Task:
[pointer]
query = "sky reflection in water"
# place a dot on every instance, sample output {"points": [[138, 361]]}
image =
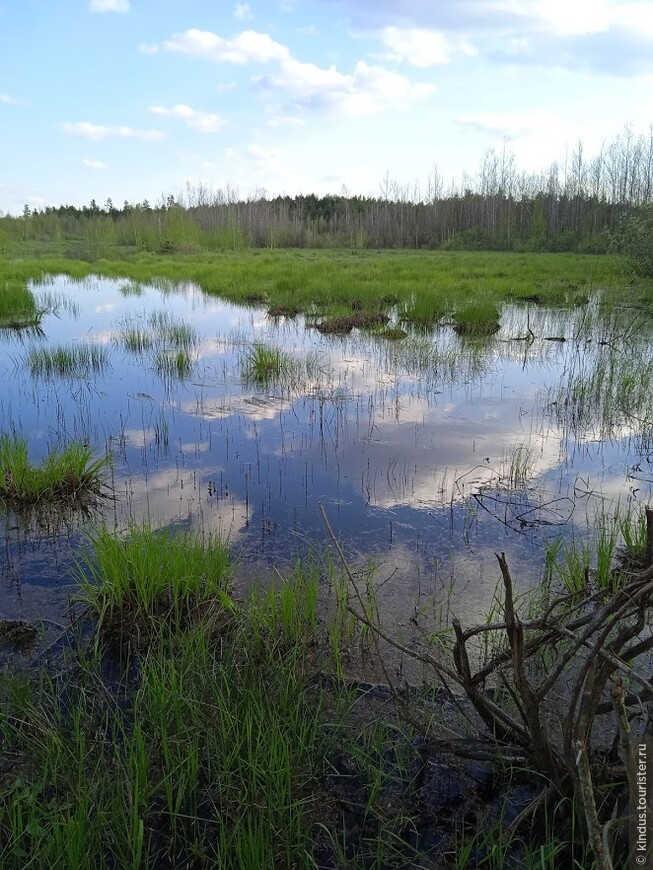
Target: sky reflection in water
{"points": [[410, 446]]}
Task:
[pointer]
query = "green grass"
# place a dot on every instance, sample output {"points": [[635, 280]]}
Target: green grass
{"points": [[218, 742], [134, 338], [174, 364], [264, 366], [74, 361], [426, 282], [208, 759], [148, 573], [18, 309], [477, 319], [171, 334], [69, 475]]}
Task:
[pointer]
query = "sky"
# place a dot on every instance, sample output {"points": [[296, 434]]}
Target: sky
{"points": [[139, 99]]}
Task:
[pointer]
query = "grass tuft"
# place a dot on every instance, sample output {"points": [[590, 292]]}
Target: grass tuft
{"points": [[69, 475], [77, 361], [477, 319], [150, 574]]}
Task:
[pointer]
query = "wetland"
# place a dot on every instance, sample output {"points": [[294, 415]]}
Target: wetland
{"points": [[435, 408]]}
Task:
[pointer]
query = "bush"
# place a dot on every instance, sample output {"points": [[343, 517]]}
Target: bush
{"points": [[634, 239]]}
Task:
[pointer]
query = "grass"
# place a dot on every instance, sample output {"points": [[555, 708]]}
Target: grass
{"points": [[605, 392], [134, 338], [172, 334], [311, 281], [208, 758], [18, 309], [264, 366], [74, 361], [174, 364], [223, 743], [477, 319], [69, 475], [148, 573]]}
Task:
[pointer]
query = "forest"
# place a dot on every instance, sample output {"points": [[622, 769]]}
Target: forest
{"points": [[579, 206]]}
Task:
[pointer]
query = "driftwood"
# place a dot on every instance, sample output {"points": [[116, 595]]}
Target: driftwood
{"points": [[593, 643]]}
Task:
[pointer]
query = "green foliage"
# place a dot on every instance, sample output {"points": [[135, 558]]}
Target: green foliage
{"points": [[149, 570], [634, 238], [69, 475], [17, 305]]}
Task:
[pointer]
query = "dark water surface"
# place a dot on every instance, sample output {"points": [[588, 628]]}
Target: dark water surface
{"points": [[428, 454]]}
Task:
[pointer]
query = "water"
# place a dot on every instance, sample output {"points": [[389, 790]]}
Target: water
{"points": [[429, 454]]}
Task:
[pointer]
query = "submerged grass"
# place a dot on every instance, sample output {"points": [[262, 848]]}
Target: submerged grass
{"points": [[264, 365], [172, 334], [69, 475], [74, 361], [174, 364]]}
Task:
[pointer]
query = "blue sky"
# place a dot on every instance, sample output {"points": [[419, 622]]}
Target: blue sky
{"points": [[135, 99]]}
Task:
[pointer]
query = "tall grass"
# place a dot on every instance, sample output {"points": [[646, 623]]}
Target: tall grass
{"points": [[148, 572], [18, 307], [210, 759], [263, 365], [477, 319], [171, 333], [68, 475], [74, 361]]}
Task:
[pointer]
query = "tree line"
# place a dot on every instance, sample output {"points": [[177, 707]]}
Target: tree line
{"points": [[579, 206]]}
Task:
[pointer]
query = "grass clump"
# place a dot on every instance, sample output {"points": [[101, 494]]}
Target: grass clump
{"points": [[18, 309], [69, 475], [76, 361], [134, 338], [264, 364], [477, 319], [149, 575], [174, 364], [172, 334]]}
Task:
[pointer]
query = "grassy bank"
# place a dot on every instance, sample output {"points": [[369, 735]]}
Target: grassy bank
{"points": [[186, 727], [426, 286]]}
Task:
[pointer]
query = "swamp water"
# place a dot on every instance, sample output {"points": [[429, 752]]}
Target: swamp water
{"points": [[429, 454]]}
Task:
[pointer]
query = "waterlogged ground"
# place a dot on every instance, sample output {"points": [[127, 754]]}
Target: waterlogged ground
{"points": [[428, 453]]}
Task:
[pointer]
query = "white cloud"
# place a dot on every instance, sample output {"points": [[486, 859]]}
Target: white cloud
{"points": [[421, 47], [368, 90], [8, 100], [248, 47], [204, 122], [243, 12], [97, 132], [533, 136], [286, 121], [109, 5], [508, 125], [148, 48], [93, 164], [268, 161]]}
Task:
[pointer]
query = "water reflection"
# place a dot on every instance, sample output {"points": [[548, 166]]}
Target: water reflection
{"points": [[428, 453]]}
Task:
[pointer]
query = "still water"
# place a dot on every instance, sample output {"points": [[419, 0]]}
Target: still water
{"points": [[428, 454]]}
